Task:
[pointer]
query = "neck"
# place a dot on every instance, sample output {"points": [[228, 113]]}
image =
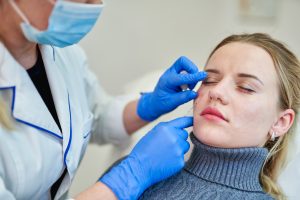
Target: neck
{"points": [[238, 168], [11, 36]]}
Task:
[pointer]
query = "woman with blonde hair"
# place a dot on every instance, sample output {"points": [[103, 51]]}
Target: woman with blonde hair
{"points": [[243, 122]]}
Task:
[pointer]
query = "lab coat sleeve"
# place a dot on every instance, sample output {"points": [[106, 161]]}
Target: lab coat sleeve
{"points": [[108, 126], [4, 193]]}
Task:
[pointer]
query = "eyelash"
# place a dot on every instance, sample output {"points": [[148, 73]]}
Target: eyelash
{"points": [[246, 90], [208, 82]]}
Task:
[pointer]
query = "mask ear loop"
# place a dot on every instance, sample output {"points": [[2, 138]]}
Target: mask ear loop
{"points": [[18, 10]]}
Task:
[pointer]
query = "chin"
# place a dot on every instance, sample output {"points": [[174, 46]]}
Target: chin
{"points": [[211, 137]]}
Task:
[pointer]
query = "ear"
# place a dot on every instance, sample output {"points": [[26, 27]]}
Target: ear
{"points": [[284, 122]]}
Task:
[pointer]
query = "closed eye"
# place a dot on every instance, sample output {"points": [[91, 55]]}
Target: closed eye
{"points": [[247, 90], [209, 80]]}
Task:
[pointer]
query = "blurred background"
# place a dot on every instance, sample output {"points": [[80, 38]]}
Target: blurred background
{"points": [[134, 41]]}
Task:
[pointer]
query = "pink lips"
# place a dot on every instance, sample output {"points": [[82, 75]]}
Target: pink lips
{"points": [[213, 114]]}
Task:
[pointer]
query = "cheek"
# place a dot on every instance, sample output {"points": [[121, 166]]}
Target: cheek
{"points": [[202, 96], [200, 91], [253, 113], [246, 116], [200, 101], [42, 11], [252, 122]]}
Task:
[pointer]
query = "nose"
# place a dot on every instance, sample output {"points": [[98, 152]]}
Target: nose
{"points": [[217, 93]]}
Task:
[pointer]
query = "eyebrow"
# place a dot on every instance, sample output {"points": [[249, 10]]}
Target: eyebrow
{"points": [[243, 75], [213, 71], [250, 76]]}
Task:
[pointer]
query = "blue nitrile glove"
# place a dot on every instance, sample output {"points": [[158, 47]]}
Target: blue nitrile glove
{"points": [[157, 156], [168, 94]]}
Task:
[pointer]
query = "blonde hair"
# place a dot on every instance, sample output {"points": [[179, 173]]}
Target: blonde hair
{"points": [[5, 119], [288, 69]]}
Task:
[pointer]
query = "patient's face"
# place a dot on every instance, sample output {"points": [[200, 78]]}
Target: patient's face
{"points": [[242, 86]]}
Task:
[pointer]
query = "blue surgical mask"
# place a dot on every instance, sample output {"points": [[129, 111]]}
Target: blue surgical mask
{"points": [[68, 23]]}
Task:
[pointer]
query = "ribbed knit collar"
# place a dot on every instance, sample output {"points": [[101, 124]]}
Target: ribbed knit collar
{"points": [[238, 168]]}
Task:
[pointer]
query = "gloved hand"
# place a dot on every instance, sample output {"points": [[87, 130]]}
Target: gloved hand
{"points": [[168, 94], [157, 156]]}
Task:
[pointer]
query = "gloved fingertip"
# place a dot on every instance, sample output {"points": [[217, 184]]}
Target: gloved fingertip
{"points": [[193, 94], [183, 58], [202, 75], [187, 147], [184, 63], [189, 120], [181, 122]]}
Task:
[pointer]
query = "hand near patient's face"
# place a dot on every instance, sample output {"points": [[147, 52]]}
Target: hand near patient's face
{"points": [[242, 84]]}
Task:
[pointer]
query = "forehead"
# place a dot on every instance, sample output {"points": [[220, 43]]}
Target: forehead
{"points": [[240, 57]]}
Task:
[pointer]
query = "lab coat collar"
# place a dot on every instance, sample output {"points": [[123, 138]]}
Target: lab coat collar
{"points": [[27, 105], [60, 94], [58, 88]]}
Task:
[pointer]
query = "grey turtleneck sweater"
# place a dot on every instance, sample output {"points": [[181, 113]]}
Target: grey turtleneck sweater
{"points": [[215, 174]]}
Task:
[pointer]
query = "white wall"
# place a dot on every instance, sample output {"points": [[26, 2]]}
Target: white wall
{"points": [[136, 37]]}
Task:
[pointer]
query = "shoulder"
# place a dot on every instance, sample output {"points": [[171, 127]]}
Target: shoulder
{"points": [[262, 196], [236, 194], [70, 60], [71, 57]]}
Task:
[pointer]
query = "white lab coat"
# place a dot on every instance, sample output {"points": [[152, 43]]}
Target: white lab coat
{"points": [[35, 153]]}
